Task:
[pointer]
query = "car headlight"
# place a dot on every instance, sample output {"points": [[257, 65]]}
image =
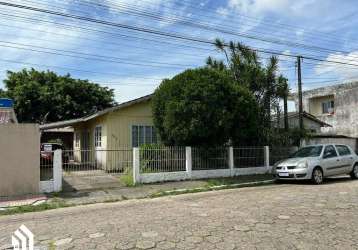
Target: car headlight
{"points": [[302, 164]]}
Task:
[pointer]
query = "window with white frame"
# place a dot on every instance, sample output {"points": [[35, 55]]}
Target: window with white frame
{"points": [[143, 135], [98, 137], [328, 107], [77, 140]]}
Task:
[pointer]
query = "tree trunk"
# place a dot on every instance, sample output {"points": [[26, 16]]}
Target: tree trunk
{"points": [[285, 112]]}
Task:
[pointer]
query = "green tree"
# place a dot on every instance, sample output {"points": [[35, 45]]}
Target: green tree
{"points": [[2, 93], [204, 107], [243, 65], [44, 96]]}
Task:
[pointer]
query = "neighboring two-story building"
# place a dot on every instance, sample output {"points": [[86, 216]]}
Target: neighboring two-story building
{"points": [[335, 105]]}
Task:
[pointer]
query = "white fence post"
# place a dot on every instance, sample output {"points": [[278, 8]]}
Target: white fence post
{"points": [[231, 160], [57, 170], [188, 161], [267, 157], [136, 177]]}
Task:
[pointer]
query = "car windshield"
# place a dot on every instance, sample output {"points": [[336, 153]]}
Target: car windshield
{"points": [[312, 151]]}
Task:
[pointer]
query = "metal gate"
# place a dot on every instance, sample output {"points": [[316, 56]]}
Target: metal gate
{"points": [[81, 169]]}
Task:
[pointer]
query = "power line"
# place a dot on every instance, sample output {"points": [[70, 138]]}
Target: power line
{"points": [[162, 65], [79, 70], [120, 6], [204, 26], [87, 30], [145, 30]]}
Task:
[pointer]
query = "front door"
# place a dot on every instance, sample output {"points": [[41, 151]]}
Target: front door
{"points": [[331, 161], [85, 156], [99, 158]]}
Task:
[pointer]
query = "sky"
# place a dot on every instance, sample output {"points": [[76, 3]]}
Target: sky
{"points": [[133, 63]]}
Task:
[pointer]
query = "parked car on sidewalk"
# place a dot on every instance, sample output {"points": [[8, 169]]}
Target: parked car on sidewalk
{"points": [[317, 162]]}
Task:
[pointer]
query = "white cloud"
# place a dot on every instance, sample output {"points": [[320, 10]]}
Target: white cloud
{"points": [[36, 34], [152, 4], [337, 70], [258, 6]]}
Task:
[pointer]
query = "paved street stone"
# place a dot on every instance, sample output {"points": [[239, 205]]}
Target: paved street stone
{"points": [[149, 234], [63, 241], [284, 217], [289, 216], [96, 235]]}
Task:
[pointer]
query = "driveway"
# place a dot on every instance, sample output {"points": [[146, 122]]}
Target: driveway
{"points": [[288, 216]]}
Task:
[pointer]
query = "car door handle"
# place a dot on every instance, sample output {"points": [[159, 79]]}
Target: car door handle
{"points": [[337, 159]]}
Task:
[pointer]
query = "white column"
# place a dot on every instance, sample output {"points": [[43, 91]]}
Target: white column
{"points": [[136, 173], [267, 157], [57, 170], [188, 161], [231, 160]]}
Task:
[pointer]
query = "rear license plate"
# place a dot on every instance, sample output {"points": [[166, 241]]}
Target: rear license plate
{"points": [[283, 174]]}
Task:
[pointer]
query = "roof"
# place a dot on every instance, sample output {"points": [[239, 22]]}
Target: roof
{"points": [[308, 116], [67, 123], [323, 91], [60, 130]]}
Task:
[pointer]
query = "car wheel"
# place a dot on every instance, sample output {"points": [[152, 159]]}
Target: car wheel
{"points": [[317, 176], [354, 173]]}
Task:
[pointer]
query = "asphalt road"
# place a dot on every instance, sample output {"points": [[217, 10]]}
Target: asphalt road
{"points": [[288, 216]]}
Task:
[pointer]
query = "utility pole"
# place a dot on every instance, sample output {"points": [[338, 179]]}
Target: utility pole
{"points": [[285, 115], [300, 102]]}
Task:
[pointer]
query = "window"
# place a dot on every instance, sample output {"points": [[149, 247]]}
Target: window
{"points": [[311, 151], [328, 107], [143, 135], [329, 152], [98, 137], [77, 140], [343, 150]]}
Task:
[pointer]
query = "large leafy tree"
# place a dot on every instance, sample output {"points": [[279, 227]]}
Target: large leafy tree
{"points": [[244, 66], [204, 107], [44, 96]]}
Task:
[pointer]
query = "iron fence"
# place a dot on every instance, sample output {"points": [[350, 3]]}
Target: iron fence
{"points": [[210, 158], [154, 159], [249, 157], [88, 162]]}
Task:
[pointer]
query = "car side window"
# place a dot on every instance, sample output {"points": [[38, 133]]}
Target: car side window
{"points": [[343, 150], [329, 152]]}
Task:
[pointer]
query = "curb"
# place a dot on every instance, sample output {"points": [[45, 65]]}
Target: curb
{"points": [[213, 188]]}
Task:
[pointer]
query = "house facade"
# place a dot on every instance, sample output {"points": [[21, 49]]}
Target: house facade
{"points": [[310, 122], [335, 105], [110, 134]]}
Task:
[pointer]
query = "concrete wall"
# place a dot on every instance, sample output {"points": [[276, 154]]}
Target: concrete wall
{"points": [[19, 159], [345, 117]]}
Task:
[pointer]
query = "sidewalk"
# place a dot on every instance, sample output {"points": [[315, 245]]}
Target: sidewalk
{"points": [[104, 195], [151, 190]]}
